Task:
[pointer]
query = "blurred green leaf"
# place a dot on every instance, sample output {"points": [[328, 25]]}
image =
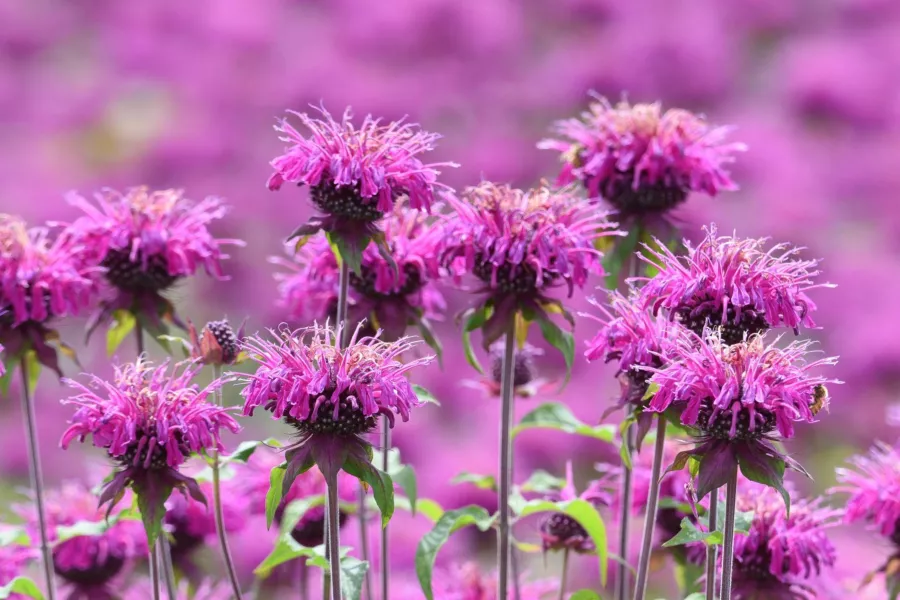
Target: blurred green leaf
{"points": [[555, 415], [543, 482], [381, 483], [246, 449], [561, 340], [585, 595], [296, 509], [483, 482], [623, 251], [472, 320], [21, 585], [123, 324], [274, 495], [424, 395]]}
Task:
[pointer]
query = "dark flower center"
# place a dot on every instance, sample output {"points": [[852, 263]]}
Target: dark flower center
{"points": [[99, 573], [225, 337], [564, 528], [349, 421], [669, 520], [157, 458], [637, 382], [365, 283], [344, 201], [764, 422], [648, 198], [126, 274], [311, 532], [524, 371], [733, 329], [518, 279]]}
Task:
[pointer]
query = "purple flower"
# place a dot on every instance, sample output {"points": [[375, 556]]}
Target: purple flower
{"points": [[216, 344], [873, 485], [520, 245], [782, 554], [468, 582], [356, 174], [737, 397], [734, 284], [88, 563], [149, 420], [41, 277], [147, 241], [526, 382], [560, 531], [393, 294], [14, 561], [643, 161], [331, 394]]}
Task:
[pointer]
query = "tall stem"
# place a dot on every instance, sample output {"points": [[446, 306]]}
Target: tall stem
{"points": [[621, 589], [712, 551], [217, 504], [505, 475], [343, 301], [154, 573], [728, 552], [37, 479], [326, 573], [304, 582], [643, 572], [334, 538], [168, 569], [364, 534], [385, 541], [563, 576]]}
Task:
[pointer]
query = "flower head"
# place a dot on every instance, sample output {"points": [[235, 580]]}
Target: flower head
{"points": [[560, 531], [738, 397], [526, 381], [641, 160], [781, 554], [149, 419], [734, 284], [392, 293], [147, 241], [88, 563], [873, 485], [41, 277], [216, 344], [522, 244]]}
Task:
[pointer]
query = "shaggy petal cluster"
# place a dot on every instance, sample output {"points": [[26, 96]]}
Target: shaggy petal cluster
{"points": [[88, 562], [560, 531], [641, 159], [392, 294], [41, 276], [468, 582], [742, 391], [148, 417], [306, 377], [873, 485], [373, 163], [520, 243], [781, 554], [733, 283]]}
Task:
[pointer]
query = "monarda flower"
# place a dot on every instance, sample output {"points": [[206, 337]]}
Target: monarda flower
{"points": [[41, 278], [738, 398], [89, 563], [330, 393], [147, 241], [520, 246], [149, 419], [641, 160], [526, 381], [216, 344], [733, 284], [560, 531], [355, 174], [873, 488], [392, 292], [632, 338], [782, 555]]}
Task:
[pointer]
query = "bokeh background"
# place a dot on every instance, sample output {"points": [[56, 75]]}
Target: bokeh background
{"points": [[180, 94]]}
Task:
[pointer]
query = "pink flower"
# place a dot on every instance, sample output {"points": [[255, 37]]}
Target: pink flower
{"points": [[560, 531], [526, 381], [14, 561], [734, 284], [468, 582], [873, 485], [641, 160]]}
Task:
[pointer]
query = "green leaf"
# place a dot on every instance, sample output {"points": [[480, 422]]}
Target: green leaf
{"points": [[352, 253], [33, 365], [405, 477], [431, 542], [14, 536], [623, 251], [473, 319], [555, 415], [625, 444], [482, 482], [687, 574], [651, 390], [151, 500], [559, 339], [767, 470], [295, 510], [21, 585], [696, 596], [124, 323], [424, 395], [431, 339], [585, 595], [543, 482], [382, 485], [353, 576], [274, 495], [9, 365], [177, 341], [246, 449], [426, 507], [587, 516], [690, 534], [285, 550]]}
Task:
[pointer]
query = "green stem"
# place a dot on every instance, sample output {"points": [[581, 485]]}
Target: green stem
{"points": [[505, 475], [563, 576]]}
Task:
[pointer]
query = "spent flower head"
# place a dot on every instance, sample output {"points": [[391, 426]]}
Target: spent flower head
{"points": [[642, 160], [147, 240], [734, 284], [216, 344], [42, 277], [150, 420], [559, 531]]}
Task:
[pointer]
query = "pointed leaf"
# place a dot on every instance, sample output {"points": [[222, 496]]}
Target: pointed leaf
{"points": [[543, 482], [585, 595], [405, 477], [23, 586], [623, 251], [424, 395], [295, 510], [9, 365], [482, 482], [431, 339], [285, 550], [691, 534], [246, 449], [350, 252], [353, 576], [34, 370], [765, 469], [472, 320], [431, 543], [381, 483], [123, 324], [426, 507], [274, 495], [555, 415], [152, 493], [14, 536], [716, 466], [559, 339]]}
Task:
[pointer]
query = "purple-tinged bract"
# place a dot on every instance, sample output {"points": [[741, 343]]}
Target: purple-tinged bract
{"points": [[781, 555], [562, 532], [149, 419], [520, 245], [147, 240], [42, 277], [641, 160], [734, 284]]}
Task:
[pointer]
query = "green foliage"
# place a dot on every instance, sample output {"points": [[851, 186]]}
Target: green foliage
{"points": [[124, 323], [21, 585], [274, 495], [555, 415], [431, 543]]}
